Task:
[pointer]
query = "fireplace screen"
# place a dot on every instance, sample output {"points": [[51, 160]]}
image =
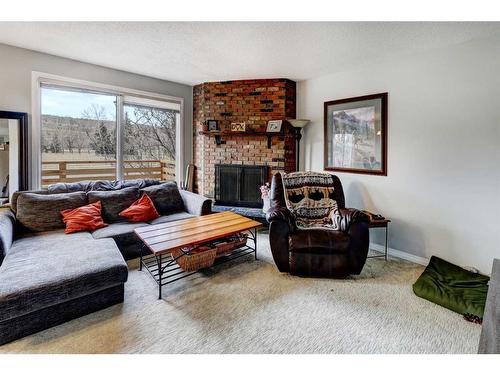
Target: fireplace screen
{"points": [[238, 185]]}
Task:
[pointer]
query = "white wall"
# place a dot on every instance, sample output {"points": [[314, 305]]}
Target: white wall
{"points": [[16, 65], [4, 155], [443, 185], [13, 156]]}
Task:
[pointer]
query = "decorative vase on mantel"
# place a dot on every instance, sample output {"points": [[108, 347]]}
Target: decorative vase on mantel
{"points": [[267, 204], [264, 194]]}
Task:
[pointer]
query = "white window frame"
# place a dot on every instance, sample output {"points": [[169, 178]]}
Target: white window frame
{"points": [[123, 94]]}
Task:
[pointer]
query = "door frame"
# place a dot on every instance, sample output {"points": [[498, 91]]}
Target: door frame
{"points": [[22, 117]]}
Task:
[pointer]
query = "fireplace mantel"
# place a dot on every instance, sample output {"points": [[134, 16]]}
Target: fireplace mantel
{"points": [[219, 134]]}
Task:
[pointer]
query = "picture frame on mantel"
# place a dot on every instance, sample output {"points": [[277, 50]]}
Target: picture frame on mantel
{"points": [[355, 135], [212, 125], [274, 126]]}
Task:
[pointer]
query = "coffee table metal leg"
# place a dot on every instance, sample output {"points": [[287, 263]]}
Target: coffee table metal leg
{"points": [[386, 236], [160, 274], [140, 257], [255, 242]]}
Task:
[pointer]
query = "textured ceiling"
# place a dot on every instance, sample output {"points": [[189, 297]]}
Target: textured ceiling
{"points": [[194, 52]]}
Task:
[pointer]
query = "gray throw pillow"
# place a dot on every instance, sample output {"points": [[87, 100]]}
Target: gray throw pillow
{"points": [[42, 212], [166, 197], [114, 201]]}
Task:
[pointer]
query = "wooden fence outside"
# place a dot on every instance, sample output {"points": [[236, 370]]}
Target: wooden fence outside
{"points": [[74, 171]]}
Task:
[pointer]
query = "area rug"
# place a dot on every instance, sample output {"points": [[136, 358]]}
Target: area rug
{"points": [[247, 306]]}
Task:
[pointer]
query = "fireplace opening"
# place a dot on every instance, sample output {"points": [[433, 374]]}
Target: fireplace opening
{"points": [[238, 185]]}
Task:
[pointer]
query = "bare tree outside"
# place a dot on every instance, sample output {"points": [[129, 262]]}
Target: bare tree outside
{"points": [[149, 133], [103, 139], [95, 112]]}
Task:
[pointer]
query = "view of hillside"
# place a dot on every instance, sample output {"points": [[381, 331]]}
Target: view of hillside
{"points": [[67, 138], [86, 143], [149, 135]]}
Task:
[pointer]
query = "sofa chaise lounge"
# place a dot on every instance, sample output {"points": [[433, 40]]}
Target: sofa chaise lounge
{"points": [[48, 277]]}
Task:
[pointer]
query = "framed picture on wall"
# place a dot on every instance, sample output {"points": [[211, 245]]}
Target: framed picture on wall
{"points": [[355, 135]]}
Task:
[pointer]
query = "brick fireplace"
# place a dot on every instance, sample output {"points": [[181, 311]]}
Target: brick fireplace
{"points": [[254, 102]]}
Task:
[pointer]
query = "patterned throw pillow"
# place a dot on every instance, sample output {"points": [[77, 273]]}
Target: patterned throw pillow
{"points": [[309, 197], [82, 219], [142, 209]]}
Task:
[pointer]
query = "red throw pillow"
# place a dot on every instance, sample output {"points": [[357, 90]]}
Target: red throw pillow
{"points": [[85, 218], [142, 209]]}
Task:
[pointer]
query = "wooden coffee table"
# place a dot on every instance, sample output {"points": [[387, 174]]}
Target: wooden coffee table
{"points": [[187, 235]]}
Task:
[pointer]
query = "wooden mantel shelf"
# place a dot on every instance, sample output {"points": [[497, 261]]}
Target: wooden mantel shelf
{"points": [[218, 134], [250, 134]]}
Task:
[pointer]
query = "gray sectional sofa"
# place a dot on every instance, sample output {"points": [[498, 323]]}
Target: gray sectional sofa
{"points": [[48, 277]]}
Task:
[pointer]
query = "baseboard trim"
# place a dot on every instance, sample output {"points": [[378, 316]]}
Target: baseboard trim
{"points": [[400, 254]]}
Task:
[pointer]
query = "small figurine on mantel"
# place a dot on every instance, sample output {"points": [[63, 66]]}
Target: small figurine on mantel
{"points": [[238, 126], [264, 194]]}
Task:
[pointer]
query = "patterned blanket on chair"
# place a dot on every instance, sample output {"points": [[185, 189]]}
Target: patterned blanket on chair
{"points": [[309, 197]]}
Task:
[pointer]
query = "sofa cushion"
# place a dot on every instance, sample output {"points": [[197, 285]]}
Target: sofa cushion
{"points": [[172, 217], [48, 268], [42, 212], [16, 194], [319, 241], [166, 197], [114, 202], [453, 287], [122, 233]]}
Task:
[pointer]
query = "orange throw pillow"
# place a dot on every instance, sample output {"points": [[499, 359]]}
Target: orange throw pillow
{"points": [[85, 218], [142, 209]]}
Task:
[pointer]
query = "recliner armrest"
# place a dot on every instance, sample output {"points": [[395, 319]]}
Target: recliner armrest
{"points": [[350, 216], [281, 224], [281, 214], [196, 204]]}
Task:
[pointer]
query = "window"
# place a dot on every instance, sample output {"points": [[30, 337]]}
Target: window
{"points": [[78, 136], [91, 133], [150, 140]]}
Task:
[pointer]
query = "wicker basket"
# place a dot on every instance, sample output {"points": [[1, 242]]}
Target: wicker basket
{"points": [[226, 246], [197, 259]]}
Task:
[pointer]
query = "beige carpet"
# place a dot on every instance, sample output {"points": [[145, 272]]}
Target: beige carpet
{"points": [[249, 307]]}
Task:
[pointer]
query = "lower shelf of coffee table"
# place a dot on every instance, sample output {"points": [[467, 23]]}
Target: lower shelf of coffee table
{"points": [[173, 272]]}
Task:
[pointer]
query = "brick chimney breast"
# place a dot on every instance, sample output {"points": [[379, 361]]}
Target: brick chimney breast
{"points": [[254, 102]]}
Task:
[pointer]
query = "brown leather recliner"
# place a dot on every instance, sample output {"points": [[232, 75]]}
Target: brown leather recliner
{"points": [[317, 252]]}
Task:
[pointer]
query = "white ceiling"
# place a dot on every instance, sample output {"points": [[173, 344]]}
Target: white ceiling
{"points": [[195, 52]]}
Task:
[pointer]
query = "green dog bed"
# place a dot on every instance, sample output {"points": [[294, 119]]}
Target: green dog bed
{"points": [[453, 287]]}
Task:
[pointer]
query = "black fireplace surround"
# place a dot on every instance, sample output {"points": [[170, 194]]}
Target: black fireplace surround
{"points": [[239, 185]]}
